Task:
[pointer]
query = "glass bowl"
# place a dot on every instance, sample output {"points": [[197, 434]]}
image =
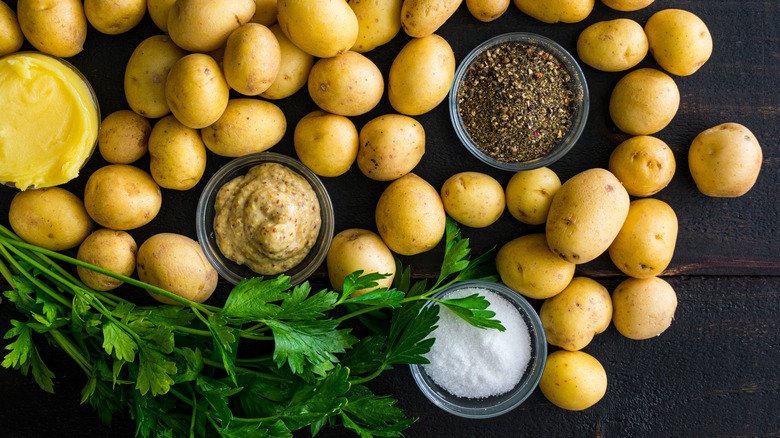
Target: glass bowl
{"points": [[499, 404], [204, 220], [578, 85]]}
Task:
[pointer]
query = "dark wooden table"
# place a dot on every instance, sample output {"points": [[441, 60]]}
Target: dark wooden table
{"points": [[713, 373]]}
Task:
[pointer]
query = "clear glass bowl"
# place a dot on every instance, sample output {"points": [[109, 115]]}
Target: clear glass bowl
{"points": [[204, 220], [579, 87], [492, 406]]}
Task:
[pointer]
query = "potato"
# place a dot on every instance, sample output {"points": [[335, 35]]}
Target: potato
{"points": [[487, 10], [529, 194], [158, 11], [390, 147], [196, 90], [643, 308], [614, 45], [245, 127], [113, 17], [52, 218], [348, 84], [645, 244], [359, 250], [725, 160], [265, 12], [644, 101], [573, 380], [57, 28], [204, 25], [421, 75], [294, 68], [627, 5], [124, 137], [410, 216], [378, 22], [108, 249], [473, 199], [679, 41], [251, 59], [527, 265], [644, 165], [176, 263], [122, 197], [178, 156], [146, 74], [326, 143], [321, 28], [421, 18], [11, 36], [585, 215], [580, 311], [553, 11]]}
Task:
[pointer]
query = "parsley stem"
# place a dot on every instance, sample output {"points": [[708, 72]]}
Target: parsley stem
{"points": [[256, 337], [266, 376], [370, 377], [4, 247], [71, 350], [7, 274], [191, 331]]}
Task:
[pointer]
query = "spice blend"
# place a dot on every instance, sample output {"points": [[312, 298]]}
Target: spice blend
{"points": [[516, 102]]}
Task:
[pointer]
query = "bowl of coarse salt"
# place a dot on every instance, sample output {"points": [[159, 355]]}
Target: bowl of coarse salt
{"points": [[482, 373]]}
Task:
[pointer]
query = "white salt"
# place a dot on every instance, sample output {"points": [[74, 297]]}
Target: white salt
{"points": [[476, 363]]}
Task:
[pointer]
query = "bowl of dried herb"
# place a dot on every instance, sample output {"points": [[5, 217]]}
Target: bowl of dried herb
{"points": [[519, 101]]}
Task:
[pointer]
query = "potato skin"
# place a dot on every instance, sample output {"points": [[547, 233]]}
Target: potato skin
{"points": [[122, 197], [326, 143], [473, 199], [196, 90], [146, 74], [571, 318], [421, 75], [573, 380], [725, 160], [348, 84], [527, 265], [378, 22], [178, 156], [321, 28], [529, 194], [57, 28], [645, 244], [614, 45], [124, 137], [204, 25], [265, 12], [294, 68], [644, 165], [553, 11], [245, 127], [390, 147], [356, 249], [421, 18], [158, 11], [679, 41], [52, 218], [113, 17], [627, 5], [644, 101], [11, 36], [251, 59], [643, 308], [107, 249], [487, 10]]}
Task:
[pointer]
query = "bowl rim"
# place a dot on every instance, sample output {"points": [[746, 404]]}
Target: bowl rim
{"points": [[578, 80]]}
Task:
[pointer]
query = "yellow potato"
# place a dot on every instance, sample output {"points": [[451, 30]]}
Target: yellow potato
{"points": [[11, 36], [553, 11], [178, 156], [645, 244], [108, 249], [348, 84], [614, 45], [245, 127], [585, 215], [321, 28], [265, 12], [679, 41], [146, 74], [196, 90], [627, 5], [725, 160], [251, 59], [359, 250], [204, 25], [326, 143], [294, 68], [378, 22], [487, 10], [421, 75], [571, 318], [529, 194], [421, 18], [410, 216], [122, 197], [113, 17], [473, 199], [124, 137], [158, 11], [57, 28], [527, 265], [643, 308], [644, 165], [573, 380], [390, 147], [52, 218], [644, 101]]}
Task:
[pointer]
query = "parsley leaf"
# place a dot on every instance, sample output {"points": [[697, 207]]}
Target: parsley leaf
{"points": [[252, 298], [216, 394], [298, 342], [24, 355], [225, 341], [410, 343], [311, 402], [369, 415], [117, 342], [298, 305], [154, 372], [472, 310]]}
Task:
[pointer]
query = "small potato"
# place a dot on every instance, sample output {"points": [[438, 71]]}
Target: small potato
{"points": [[421, 75], [725, 160], [58, 28], [645, 244], [553, 11], [122, 197], [348, 84], [146, 74], [421, 18], [644, 165], [571, 318], [627, 5], [158, 11], [11, 36], [359, 250], [245, 127], [473, 199], [251, 59], [529, 194], [410, 216], [390, 147], [614, 45], [113, 17], [679, 41], [321, 28], [196, 90], [294, 68], [527, 265], [573, 380], [644, 101], [643, 308], [204, 25], [178, 156], [124, 137], [108, 249], [487, 10], [52, 218], [378, 22], [326, 143], [176, 263], [265, 12]]}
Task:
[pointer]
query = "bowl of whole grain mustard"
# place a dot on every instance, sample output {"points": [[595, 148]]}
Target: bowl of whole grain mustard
{"points": [[519, 101]]}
